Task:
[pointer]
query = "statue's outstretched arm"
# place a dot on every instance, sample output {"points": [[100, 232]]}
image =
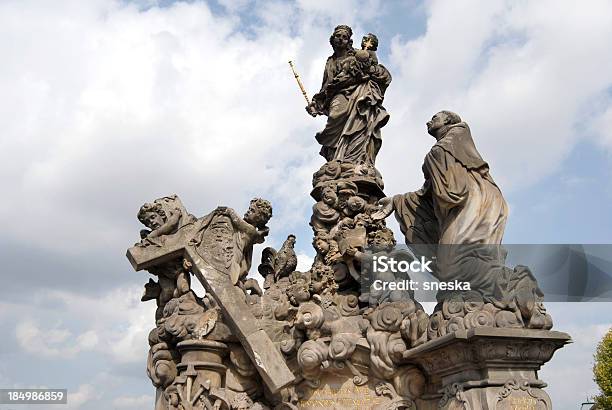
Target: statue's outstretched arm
{"points": [[317, 105], [168, 227], [385, 208], [237, 221], [256, 235], [260, 236]]}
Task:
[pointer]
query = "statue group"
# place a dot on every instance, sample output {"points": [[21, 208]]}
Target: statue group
{"points": [[327, 338]]}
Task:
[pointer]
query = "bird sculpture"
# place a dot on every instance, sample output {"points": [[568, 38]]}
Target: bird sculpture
{"points": [[278, 264]]}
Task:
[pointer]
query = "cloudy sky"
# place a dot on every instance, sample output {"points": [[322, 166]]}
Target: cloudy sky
{"points": [[109, 104]]}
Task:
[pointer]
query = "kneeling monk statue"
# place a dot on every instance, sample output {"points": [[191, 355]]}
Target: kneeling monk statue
{"points": [[459, 204]]}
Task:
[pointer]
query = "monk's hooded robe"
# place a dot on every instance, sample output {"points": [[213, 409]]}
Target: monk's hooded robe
{"points": [[459, 205]]}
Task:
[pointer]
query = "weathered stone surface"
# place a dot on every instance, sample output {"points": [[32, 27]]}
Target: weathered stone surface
{"points": [[339, 392], [351, 97], [485, 368], [326, 338], [458, 217], [218, 282]]}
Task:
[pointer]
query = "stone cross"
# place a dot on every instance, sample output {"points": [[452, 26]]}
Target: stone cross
{"points": [[215, 278]]}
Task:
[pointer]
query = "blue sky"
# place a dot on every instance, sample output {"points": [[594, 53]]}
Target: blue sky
{"points": [[109, 104]]}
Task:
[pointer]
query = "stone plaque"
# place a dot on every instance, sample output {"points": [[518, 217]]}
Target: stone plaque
{"points": [[521, 400], [339, 392], [518, 395]]}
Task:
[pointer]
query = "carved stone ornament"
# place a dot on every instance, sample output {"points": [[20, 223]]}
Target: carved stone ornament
{"points": [[327, 338]]}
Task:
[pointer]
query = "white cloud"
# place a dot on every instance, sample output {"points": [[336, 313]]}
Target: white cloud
{"points": [[573, 364], [105, 106], [134, 402], [83, 395], [4, 379], [340, 11], [118, 107], [115, 324], [234, 5], [52, 342], [304, 262], [602, 127], [120, 332], [522, 74]]}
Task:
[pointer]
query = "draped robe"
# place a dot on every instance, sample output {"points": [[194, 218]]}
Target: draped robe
{"points": [[459, 205], [355, 115]]}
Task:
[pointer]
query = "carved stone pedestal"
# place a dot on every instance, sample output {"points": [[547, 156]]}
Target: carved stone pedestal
{"points": [[204, 357], [486, 368], [201, 373]]}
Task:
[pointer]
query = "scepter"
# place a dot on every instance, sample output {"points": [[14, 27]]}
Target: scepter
{"points": [[297, 78]]}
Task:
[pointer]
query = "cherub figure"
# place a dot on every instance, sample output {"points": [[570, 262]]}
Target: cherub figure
{"points": [[354, 68], [228, 239], [381, 242], [253, 224], [326, 247], [299, 290], [321, 243], [259, 214], [157, 220], [369, 43], [358, 66], [324, 213], [323, 281], [254, 221], [164, 216], [356, 205]]}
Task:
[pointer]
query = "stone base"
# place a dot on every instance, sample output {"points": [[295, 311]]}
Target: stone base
{"points": [[486, 368]]}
